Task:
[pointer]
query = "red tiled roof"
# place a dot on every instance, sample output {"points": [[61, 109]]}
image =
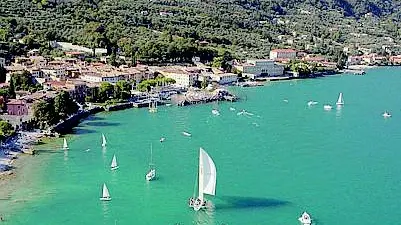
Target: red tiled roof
{"points": [[16, 102], [284, 50], [55, 83]]}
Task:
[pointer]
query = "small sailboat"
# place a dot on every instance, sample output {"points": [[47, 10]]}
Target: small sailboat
{"points": [[386, 114], [232, 108], [104, 142], [327, 107], [65, 145], [114, 164], [305, 219], [105, 194], [285, 100], [206, 181], [340, 100], [215, 112], [151, 175], [186, 134], [162, 139]]}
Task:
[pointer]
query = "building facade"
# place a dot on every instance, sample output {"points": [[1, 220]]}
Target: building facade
{"points": [[225, 78], [261, 67], [283, 54], [182, 77], [17, 107]]}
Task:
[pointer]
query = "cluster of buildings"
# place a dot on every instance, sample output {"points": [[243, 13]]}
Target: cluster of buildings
{"points": [[78, 77], [373, 59]]}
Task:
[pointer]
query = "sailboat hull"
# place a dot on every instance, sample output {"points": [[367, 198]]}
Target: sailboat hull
{"points": [[105, 198], [114, 168]]}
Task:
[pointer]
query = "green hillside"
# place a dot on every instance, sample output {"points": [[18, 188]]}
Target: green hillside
{"points": [[169, 30]]}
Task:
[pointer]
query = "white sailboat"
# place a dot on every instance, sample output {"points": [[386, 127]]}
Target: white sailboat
{"points": [[340, 100], [151, 175], [104, 142], [206, 181], [305, 219], [105, 194], [186, 134], [65, 145], [386, 114], [114, 164]]}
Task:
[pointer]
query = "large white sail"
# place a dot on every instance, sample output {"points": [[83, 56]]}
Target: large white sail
{"points": [[65, 145], [340, 100], [106, 193], [104, 142], [114, 163], [207, 175]]}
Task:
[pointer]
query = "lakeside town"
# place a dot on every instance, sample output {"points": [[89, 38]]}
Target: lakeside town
{"points": [[87, 86]]}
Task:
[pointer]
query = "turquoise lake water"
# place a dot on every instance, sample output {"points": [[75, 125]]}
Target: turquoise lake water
{"points": [[342, 166]]}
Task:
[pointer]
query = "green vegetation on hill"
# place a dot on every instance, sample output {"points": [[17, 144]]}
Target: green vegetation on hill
{"points": [[175, 31]]}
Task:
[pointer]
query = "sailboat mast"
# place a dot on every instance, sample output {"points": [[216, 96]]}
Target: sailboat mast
{"points": [[200, 177]]}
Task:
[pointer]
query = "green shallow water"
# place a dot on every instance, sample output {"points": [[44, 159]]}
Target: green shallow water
{"points": [[342, 166]]}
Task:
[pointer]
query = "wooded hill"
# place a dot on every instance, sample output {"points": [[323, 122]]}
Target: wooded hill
{"points": [[174, 31]]}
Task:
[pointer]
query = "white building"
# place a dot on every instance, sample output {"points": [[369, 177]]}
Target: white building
{"points": [[184, 78], [224, 78], [97, 77], [261, 67], [56, 73], [283, 54], [2, 62]]}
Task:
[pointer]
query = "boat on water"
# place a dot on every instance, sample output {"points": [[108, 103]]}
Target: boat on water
{"points": [[310, 103], [327, 107], [105, 194], [186, 134], [168, 104], [65, 145], [340, 100], [215, 112], [386, 114], [232, 108], [151, 175], [305, 219], [206, 181], [114, 164], [162, 139], [153, 106], [104, 142]]}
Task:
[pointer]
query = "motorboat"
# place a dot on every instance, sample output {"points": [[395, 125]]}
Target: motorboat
{"points": [[305, 219], [327, 107]]}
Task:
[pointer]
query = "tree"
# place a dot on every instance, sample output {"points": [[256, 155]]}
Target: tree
{"points": [[6, 129], [3, 73], [44, 113], [64, 105], [105, 91], [122, 89]]}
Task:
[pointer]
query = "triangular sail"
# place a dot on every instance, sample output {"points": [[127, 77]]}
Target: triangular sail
{"points": [[65, 145], [104, 142], [106, 193], [114, 162], [340, 99], [207, 174]]}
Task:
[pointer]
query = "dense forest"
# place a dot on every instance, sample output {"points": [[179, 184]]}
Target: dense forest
{"points": [[177, 30]]}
